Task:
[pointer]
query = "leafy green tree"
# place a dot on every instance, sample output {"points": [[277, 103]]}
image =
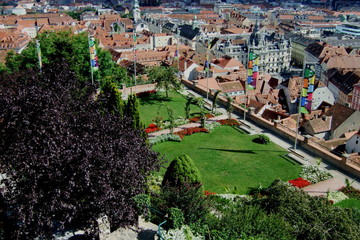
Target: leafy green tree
{"points": [[229, 106], [189, 100], [110, 96], [215, 100], [165, 78], [132, 111], [170, 112], [310, 217], [244, 221], [74, 49], [67, 160]]}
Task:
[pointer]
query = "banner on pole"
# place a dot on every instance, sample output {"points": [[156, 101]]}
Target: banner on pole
{"points": [[253, 70], [94, 61], [307, 88]]}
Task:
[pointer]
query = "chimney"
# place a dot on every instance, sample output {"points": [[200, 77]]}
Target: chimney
{"points": [[326, 108]]}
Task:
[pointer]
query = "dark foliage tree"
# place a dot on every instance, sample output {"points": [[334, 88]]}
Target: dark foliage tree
{"points": [[67, 159]]}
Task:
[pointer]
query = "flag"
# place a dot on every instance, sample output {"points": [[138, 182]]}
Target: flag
{"points": [[135, 37], [307, 88], [94, 61], [253, 70], [206, 66], [176, 56]]}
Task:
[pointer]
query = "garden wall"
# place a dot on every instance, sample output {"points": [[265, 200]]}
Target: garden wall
{"points": [[283, 132]]}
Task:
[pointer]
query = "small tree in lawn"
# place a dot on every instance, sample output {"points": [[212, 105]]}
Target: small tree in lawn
{"points": [[229, 106], [189, 100], [165, 78], [170, 112], [215, 99], [200, 103]]}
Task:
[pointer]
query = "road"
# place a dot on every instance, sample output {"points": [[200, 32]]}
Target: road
{"points": [[284, 143]]}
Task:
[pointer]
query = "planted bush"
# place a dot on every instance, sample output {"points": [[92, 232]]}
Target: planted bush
{"points": [[336, 196], [211, 126], [262, 139], [165, 138], [314, 174], [230, 122], [190, 131], [299, 182]]}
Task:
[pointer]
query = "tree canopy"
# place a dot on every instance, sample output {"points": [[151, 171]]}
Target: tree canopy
{"points": [[74, 48], [68, 159], [165, 78]]}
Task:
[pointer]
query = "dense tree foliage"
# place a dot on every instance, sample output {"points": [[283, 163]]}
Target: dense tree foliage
{"points": [[67, 158], [165, 78], [74, 49], [310, 217]]}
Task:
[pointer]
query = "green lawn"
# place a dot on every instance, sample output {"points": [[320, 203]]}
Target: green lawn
{"points": [[349, 203], [149, 106], [229, 158]]}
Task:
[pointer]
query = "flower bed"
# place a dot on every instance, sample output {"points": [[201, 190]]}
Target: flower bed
{"points": [[314, 174], [146, 93], [197, 118], [230, 122], [351, 192], [300, 182], [207, 193], [152, 128], [190, 131]]}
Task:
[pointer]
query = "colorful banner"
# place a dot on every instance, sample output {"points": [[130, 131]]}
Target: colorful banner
{"points": [[94, 61], [207, 66], [253, 70], [176, 56], [307, 88]]}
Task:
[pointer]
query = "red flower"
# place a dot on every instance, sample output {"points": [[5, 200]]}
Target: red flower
{"points": [[190, 131], [300, 182], [207, 193], [231, 122]]}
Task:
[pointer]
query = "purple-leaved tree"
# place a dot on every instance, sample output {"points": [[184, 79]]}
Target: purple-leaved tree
{"points": [[67, 159]]}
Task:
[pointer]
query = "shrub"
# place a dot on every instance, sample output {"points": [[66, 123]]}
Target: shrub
{"points": [[177, 122], [152, 128], [230, 122], [165, 138], [211, 126], [176, 218], [299, 182], [314, 174], [198, 118], [351, 192], [262, 139], [336, 196], [184, 233], [190, 131], [181, 170], [146, 93]]}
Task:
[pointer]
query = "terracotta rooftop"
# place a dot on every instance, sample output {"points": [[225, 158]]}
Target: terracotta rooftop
{"points": [[233, 86], [227, 62], [339, 114]]}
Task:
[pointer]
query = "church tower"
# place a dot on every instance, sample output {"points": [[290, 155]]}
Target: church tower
{"points": [[136, 11]]}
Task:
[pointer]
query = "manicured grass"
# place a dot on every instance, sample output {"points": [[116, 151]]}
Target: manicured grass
{"points": [[349, 203], [149, 106], [228, 158]]}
